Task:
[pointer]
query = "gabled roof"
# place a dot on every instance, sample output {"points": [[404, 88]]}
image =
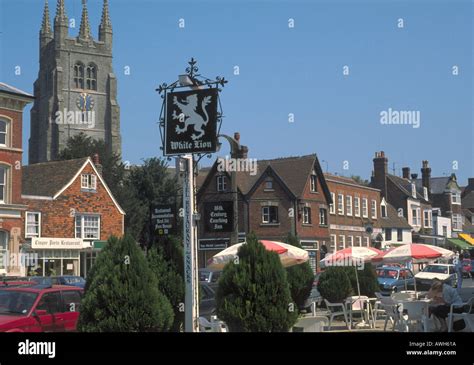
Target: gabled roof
{"points": [[404, 185], [292, 171], [392, 220], [5, 88], [437, 184], [50, 179]]}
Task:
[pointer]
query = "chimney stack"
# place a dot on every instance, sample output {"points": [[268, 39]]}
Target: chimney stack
{"points": [[379, 178], [406, 173], [96, 162], [426, 175]]}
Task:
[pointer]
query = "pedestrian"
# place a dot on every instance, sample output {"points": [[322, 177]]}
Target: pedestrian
{"points": [[444, 296], [457, 261]]}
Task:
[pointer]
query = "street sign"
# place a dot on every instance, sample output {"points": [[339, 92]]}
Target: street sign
{"points": [[163, 218], [191, 122], [213, 244], [218, 216]]}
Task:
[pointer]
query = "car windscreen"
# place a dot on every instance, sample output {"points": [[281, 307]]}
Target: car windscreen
{"points": [[387, 274], [73, 280], [16, 302], [436, 269], [204, 275]]}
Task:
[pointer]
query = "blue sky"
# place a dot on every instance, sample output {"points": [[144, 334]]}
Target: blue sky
{"points": [[283, 71]]}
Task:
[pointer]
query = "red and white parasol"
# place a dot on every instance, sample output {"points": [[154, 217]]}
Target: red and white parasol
{"points": [[415, 252], [289, 255]]}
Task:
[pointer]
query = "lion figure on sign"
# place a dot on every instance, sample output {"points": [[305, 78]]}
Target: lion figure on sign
{"points": [[189, 115]]}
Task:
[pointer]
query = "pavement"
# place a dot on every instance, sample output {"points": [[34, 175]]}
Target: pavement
{"points": [[338, 325]]}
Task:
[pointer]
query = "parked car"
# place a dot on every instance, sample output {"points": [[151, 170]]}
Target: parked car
{"points": [[466, 268], [41, 280], [210, 277], [69, 280], [314, 296], [394, 278], [444, 272], [207, 304], [39, 309]]}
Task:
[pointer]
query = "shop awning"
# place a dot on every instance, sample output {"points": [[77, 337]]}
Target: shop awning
{"points": [[460, 243], [99, 245], [467, 238]]}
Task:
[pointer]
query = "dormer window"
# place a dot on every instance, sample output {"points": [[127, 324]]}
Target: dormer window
{"points": [[314, 183], [89, 182], [413, 190], [425, 193], [383, 209], [269, 184], [221, 183]]}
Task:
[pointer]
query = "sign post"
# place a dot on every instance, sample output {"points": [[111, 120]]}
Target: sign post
{"points": [[189, 124], [190, 248]]}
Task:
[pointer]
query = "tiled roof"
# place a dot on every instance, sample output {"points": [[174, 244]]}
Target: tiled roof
{"points": [[467, 200], [404, 186], [293, 171], [48, 178], [437, 184], [393, 220], [13, 90]]}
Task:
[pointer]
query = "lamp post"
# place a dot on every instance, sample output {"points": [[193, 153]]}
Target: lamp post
{"points": [[236, 152]]}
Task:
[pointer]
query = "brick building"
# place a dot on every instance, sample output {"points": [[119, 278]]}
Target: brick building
{"points": [[71, 212], [12, 103], [285, 195], [445, 194], [410, 199]]}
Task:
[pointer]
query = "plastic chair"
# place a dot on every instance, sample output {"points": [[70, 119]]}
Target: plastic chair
{"points": [[392, 312], [466, 315], [333, 312], [378, 308]]}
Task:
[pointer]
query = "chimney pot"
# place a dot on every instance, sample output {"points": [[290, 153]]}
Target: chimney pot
{"points": [[414, 176], [406, 172], [237, 136]]}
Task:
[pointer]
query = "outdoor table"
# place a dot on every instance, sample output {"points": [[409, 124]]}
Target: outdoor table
{"points": [[366, 302], [419, 306]]}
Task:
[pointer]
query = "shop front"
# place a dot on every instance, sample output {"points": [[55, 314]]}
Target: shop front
{"points": [[57, 256]]}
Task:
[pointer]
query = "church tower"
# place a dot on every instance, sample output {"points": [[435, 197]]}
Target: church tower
{"points": [[76, 88]]}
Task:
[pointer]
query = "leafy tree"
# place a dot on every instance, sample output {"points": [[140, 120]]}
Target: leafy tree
{"points": [[300, 277], [113, 170], [121, 293], [368, 282], [253, 293], [148, 185], [360, 180], [334, 284], [166, 262]]}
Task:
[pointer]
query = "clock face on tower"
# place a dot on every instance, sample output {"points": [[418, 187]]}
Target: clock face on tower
{"points": [[85, 102]]}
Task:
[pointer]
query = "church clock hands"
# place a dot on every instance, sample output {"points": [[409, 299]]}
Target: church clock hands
{"points": [[85, 102]]}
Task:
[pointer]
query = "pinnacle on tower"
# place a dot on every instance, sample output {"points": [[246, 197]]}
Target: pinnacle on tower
{"points": [[85, 29], [105, 22], [61, 16], [46, 25]]}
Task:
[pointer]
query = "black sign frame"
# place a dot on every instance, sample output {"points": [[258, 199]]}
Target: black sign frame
{"points": [[191, 121]]}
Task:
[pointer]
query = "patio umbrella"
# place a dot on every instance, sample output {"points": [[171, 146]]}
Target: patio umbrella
{"points": [[351, 256], [289, 255], [413, 252]]}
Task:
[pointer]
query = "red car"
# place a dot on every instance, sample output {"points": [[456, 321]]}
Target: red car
{"points": [[31, 309]]}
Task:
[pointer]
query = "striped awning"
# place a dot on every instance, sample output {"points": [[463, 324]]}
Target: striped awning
{"points": [[466, 237]]}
